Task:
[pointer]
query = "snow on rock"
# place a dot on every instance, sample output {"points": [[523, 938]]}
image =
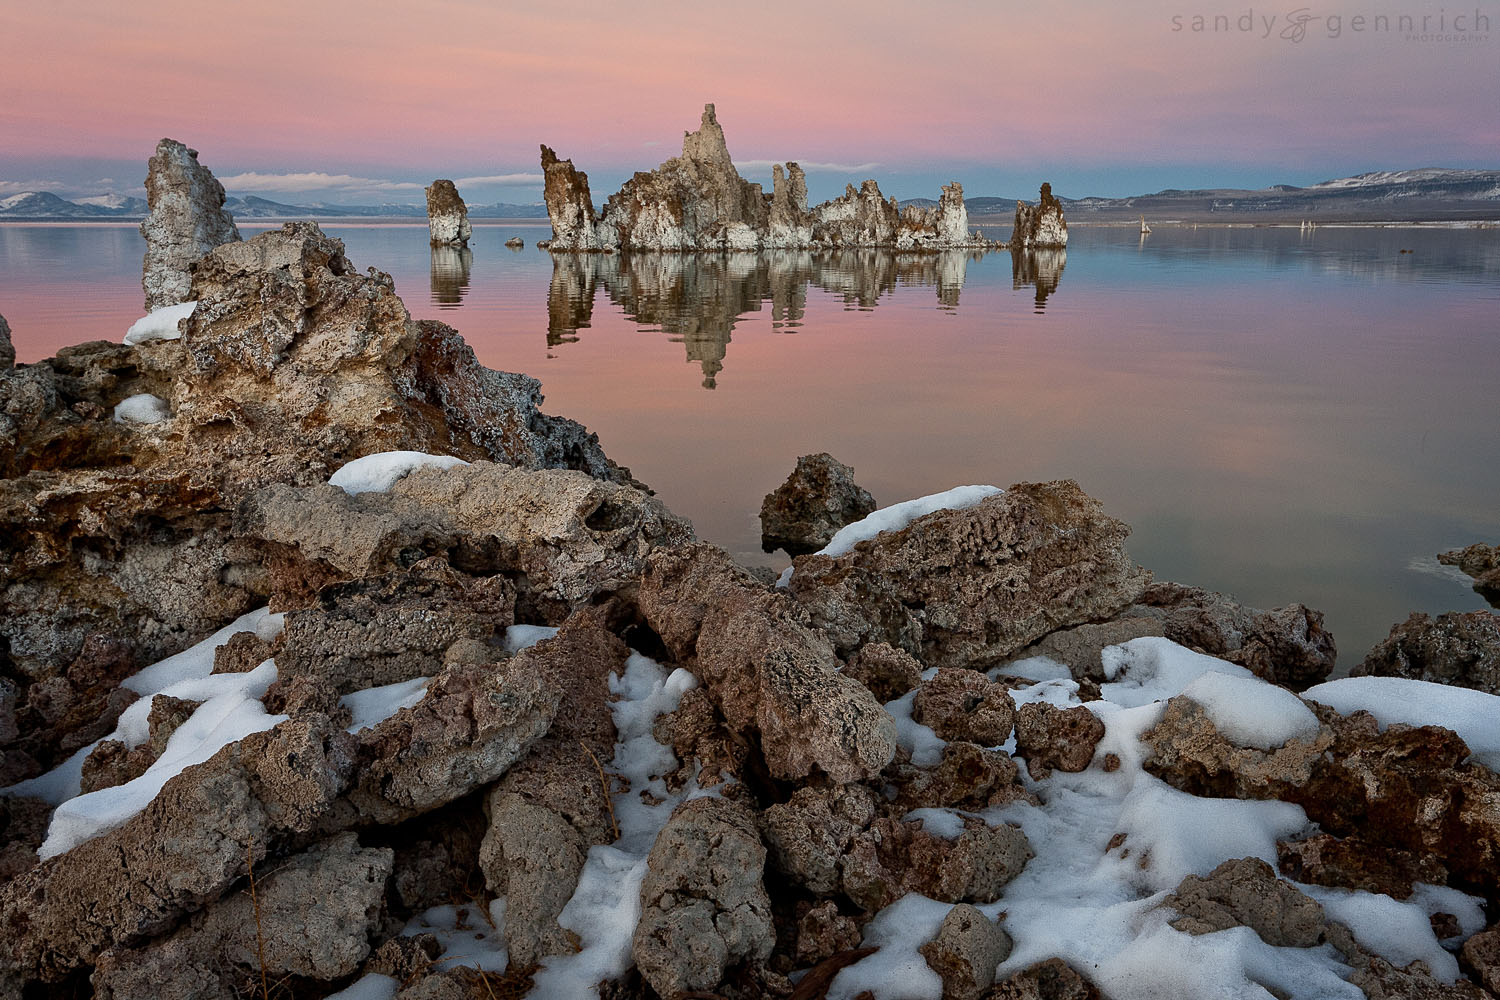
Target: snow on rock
{"points": [[1154, 669], [519, 637], [897, 969], [1469, 713], [370, 986], [230, 711], [470, 936], [198, 661], [379, 472], [924, 745], [1249, 711], [1400, 932], [897, 516], [373, 706], [606, 906], [160, 324], [142, 408]]}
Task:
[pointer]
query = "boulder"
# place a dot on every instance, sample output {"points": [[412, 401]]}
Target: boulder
{"points": [[817, 499], [1040, 225], [969, 588], [965, 952], [447, 216], [1287, 646], [312, 918], [7, 349], [1245, 892], [1053, 979], [1051, 737], [822, 931], [704, 907], [1480, 561], [186, 220], [887, 671], [965, 705], [771, 677], [1459, 648]]}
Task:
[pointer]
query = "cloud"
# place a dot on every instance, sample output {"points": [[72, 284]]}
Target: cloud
{"points": [[20, 187], [509, 180], [312, 181], [810, 166]]}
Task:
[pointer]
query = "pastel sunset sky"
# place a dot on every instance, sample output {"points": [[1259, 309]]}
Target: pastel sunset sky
{"points": [[364, 102]]}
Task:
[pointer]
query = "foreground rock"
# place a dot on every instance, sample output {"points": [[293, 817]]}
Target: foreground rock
{"points": [[187, 219], [7, 349], [703, 904], [698, 201], [1040, 226], [969, 588], [1460, 648], [817, 499], [447, 216], [1482, 562]]}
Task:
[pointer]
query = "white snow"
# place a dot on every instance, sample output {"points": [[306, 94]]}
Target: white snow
{"points": [[897, 969], [1400, 932], [1035, 668], [924, 745], [1154, 669], [519, 637], [471, 936], [160, 324], [897, 516], [142, 408], [379, 472], [198, 660], [1250, 712], [373, 706], [1471, 714], [370, 986]]}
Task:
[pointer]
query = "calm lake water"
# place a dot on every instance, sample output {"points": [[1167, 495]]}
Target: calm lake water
{"points": [[1281, 416]]}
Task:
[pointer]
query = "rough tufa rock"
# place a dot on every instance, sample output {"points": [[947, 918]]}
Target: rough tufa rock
{"points": [[187, 219], [1480, 561], [704, 908], [447, 216], [817, 499], [965, 952], [1041, 225], [1053, 979], [1246, 893], [1051, 737], [7, 349], [1459, 648], [698, 201], [968, 588], [966, 706]]}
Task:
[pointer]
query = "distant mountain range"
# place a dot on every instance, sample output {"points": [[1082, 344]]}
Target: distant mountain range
{"points": [[1430, 193]]}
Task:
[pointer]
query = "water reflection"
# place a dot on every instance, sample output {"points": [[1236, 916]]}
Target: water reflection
{"points": [[1041, 268], [696, 299], [450, 275]]}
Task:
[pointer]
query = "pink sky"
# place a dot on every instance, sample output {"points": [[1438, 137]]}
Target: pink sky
{"points": [[1085, 91]]}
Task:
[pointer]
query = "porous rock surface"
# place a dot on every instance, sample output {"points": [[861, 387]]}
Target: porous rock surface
{"points": [[965, 952], [1051, 737], [704, 906], [187, 219], [1480, 561], [1460, 648], [1040, 226], [1245, 892], [447, 216], [969, 588], [698, 201], [817, 499]]}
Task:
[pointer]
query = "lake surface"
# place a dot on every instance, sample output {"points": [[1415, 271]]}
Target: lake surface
{"points": [[1279, 415]]}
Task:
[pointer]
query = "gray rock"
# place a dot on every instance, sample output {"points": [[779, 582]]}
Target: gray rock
{"points": [[447, 216], [968, 588], [7, 350], [533, 856], [1246, 893], [1459, 648], [965, 952], [1078, 648], [1039, 225], [817, 499], [704, 908], [811, 832], [317, 911], [187, 219]]}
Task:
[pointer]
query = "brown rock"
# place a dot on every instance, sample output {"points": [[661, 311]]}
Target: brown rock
{"points": [[1040, 225], [1064, 738], [1246, 893], [1286, 646], [965, 952], [1354, 862], [7, 350], [241, 654], [966, 706], [1053, 979], [23, 827], [701, 742], [1480, 561], [967, 777], [1459, 648], [822, 931], [887, 671], [1481, 958], [817, 499], [768, 672], [968, 588]]}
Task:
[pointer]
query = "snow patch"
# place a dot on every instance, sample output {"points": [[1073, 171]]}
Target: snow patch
{"points": [[379, 472], [1249, 712], [1469, 713], [372, 706], [160, 324], [142, 408], [1155, 669]]}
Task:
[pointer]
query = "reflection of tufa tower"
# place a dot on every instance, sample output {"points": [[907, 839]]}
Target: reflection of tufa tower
{"points": [[450, 275], [1041, 268]]}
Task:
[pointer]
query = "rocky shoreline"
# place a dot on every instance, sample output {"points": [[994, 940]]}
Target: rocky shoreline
{"points": [[332, 665]]}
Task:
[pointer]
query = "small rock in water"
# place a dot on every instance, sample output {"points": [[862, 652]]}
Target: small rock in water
{"points": [[817, 499], [1480, 561]]}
